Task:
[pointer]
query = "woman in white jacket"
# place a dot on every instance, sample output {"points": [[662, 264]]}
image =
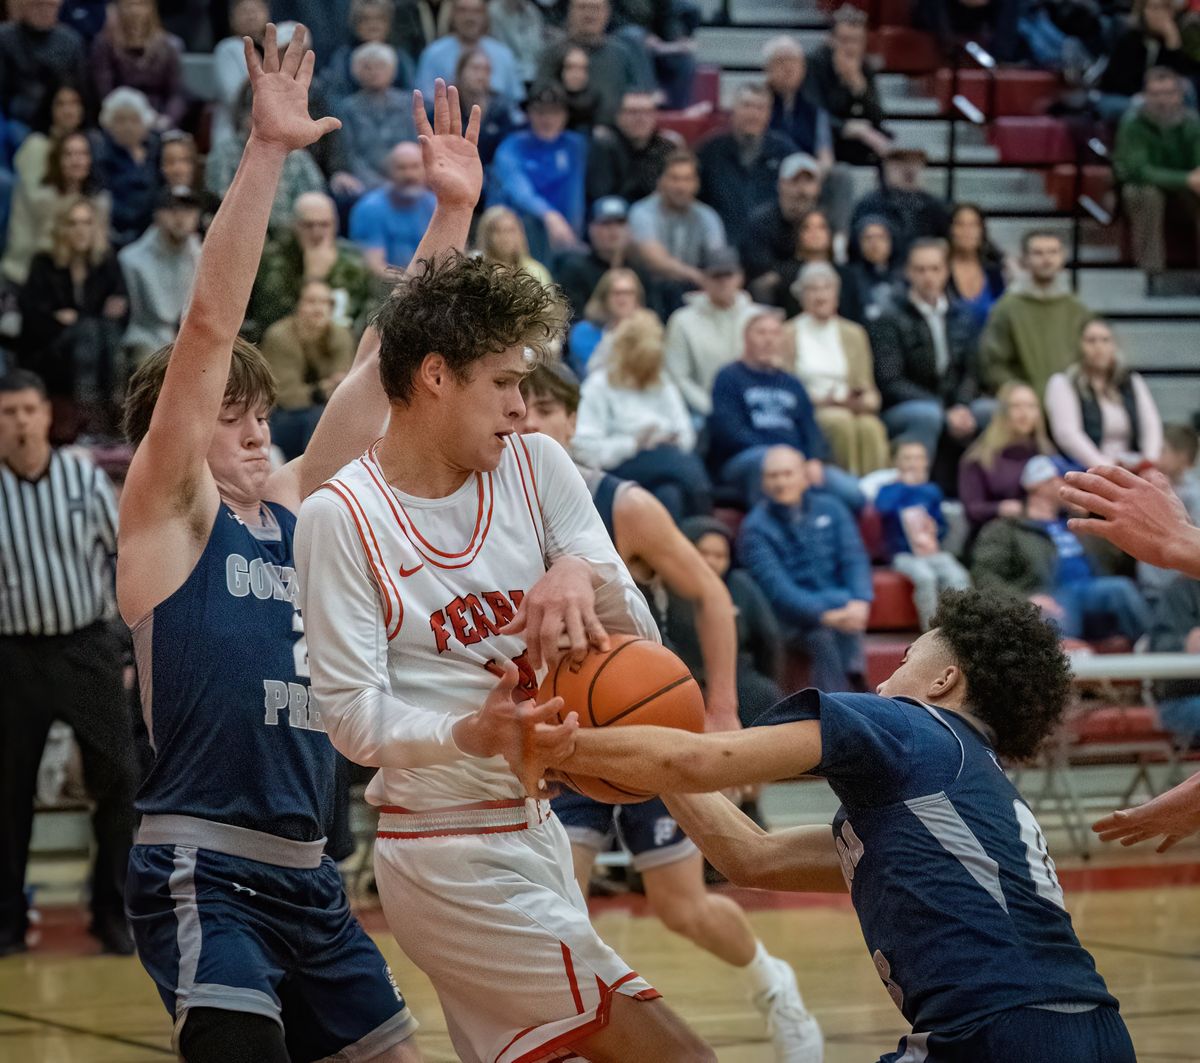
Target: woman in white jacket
{"points": [[634, 423]]}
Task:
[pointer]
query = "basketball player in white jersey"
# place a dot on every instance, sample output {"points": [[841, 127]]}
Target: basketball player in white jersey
{"points": [[662, 560], [439, 572]]}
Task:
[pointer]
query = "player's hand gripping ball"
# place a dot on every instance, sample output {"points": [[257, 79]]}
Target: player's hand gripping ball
{"points": [[637, 681]]}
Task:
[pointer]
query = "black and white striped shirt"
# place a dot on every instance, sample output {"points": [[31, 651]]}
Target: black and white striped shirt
{"points": [[57, 535]]}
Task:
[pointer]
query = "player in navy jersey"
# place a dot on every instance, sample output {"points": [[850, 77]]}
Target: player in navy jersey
{"points": [[947, 867], [239, 917]]}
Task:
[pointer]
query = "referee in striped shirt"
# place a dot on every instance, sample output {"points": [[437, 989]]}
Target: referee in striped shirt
{"points": [[58, 659]]}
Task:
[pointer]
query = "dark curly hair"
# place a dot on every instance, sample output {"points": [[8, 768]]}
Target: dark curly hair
{"points": [[1018, 677], [463, 308]]}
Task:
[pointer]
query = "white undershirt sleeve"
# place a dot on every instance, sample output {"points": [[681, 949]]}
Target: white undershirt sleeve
{"points": [[574, 529], [347, 650]]}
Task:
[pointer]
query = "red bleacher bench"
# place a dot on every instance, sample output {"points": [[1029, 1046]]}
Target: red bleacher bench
{"points": [[892, 609], [1017, 92], [1116, 725], [904, 50], [1097, 183], [889, 12], [1032, 140], [706, 85], [693, 125]]}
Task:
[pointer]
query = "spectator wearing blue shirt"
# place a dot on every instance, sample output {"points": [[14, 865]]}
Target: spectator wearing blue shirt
{"points": [[803, 549], [468, 29], [914, 527], [757, 406], [127, 162], [389, 222], [1038, 557], [540, 173], [377, 117]]}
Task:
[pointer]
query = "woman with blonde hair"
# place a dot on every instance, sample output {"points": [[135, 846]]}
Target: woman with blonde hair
{"points": [[72, 307], [618, 295], [633, 422], [134, 50], [989, 475], [1099, 411], [832, 358], [500, 237]]}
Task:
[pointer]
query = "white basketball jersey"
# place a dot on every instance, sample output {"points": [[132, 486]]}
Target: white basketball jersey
{"points": [[448, 574]]}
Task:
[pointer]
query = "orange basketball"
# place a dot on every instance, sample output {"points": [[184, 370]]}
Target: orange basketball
{"points": [[636, 681]]}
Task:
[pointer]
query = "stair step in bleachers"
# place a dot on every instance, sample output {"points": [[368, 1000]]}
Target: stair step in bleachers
{"points": [[782, 13], [1159, 344], [998, 188], [1123, 291], [738, 48], [898, 102]]}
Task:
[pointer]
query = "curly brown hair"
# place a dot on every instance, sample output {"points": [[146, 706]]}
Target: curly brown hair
{"points": [[1018, 677], [250, 383], [463, 309]]}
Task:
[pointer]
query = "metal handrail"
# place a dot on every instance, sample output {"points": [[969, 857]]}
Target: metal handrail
{"points": [[1085, 204], [960, 105]]}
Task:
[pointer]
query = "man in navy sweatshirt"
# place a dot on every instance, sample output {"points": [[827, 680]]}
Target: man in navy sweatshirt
{"points": [[803, 549], [756, 406]]}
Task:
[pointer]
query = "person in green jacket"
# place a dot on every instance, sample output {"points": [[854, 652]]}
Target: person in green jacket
{"points": [[1033, 330], [1157, 162]]}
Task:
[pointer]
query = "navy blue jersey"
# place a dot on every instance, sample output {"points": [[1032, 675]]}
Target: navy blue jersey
{"points": [[948, 870], [223, 668]]}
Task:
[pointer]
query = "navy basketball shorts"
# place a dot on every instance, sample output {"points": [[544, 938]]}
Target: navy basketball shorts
{"points": [[1031, 1035], [646, 829], [219, 931]]}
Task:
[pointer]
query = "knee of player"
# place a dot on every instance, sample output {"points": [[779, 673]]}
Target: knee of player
{"points": [[682, 915]]}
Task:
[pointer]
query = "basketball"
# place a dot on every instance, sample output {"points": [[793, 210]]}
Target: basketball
{"points": [[636, 682]]}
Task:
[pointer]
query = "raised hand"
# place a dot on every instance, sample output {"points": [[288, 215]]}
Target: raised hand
{"points": [[1172, 817], [280, 85], [1140, 514], [453, 171]]}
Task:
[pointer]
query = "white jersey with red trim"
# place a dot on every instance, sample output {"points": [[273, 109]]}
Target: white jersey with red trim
{"points": [[403, 602]]}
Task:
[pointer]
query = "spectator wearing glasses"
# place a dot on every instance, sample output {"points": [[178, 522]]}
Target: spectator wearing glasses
{"points": [[310, 249], [617, 297]]}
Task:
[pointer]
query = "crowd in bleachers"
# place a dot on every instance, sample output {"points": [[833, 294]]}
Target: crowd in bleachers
{"points": [[748, 337]]}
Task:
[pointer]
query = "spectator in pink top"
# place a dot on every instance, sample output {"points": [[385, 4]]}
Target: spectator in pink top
{"points": [[1099, 412]]}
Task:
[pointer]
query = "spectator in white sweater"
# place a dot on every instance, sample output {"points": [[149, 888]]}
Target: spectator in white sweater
{"points": [[1099, 412], [705, 334], [634, 423]]}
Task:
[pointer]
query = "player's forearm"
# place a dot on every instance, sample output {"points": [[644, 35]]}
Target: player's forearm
{"points": [[716, 627], [377, 730], [1183, 552], [447, 231], [727, 837], [232, 249]]}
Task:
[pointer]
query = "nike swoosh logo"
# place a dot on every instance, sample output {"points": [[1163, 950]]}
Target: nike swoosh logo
{"points": [[405, 572]]}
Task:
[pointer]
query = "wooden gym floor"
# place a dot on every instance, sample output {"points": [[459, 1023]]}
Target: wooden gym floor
{"points": [[63, 1004]]}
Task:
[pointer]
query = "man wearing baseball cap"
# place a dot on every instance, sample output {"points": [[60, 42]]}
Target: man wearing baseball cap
{"points": [[539, 172], [901, 199], [1038, 557], [159, 268], [770, 234], [609, 246]]}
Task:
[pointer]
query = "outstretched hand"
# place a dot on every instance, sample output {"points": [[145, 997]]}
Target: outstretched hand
{"points": [[453, 171], [1141, 515], [1172, 816], [280, 85]]}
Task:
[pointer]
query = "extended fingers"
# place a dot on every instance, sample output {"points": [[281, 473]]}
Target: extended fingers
{"points": [[455, 110], [1107, 481], [307, 65], [270, 56], [1102, 529], [293, 55], [441, 107], [419, 116], [577, 636], [473, 123], [253, 61], [1093, 503]]}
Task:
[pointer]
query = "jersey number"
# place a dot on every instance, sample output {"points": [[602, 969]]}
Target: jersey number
{"points": [[1041, 866]]}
